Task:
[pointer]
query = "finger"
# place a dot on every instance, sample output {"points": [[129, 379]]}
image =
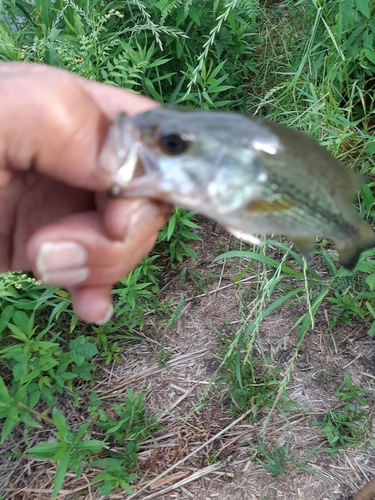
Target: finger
{"points": [[92, 304], [23, 213], [122, 217], [112, 99], [54, 123], [78, 251]]}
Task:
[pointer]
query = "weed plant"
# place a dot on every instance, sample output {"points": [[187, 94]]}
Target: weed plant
{"points": [[349, 426], [308, 64], [279, 459], [126, 430], [176, 235], [251, 383]]}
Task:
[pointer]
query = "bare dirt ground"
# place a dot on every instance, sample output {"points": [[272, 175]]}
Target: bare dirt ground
{"points": [[194, 409]]}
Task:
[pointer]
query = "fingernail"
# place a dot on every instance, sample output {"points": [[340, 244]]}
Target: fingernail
{"points": [[142, 216], [106, 317], [62, 262]]}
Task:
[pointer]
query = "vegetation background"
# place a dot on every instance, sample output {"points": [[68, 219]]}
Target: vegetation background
{"points": [[309, 64]]}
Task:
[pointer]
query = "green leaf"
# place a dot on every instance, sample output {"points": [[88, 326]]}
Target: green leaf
{"points": [[61, 425], [367, 196], [61, 306], [5, 317], [152, 91], [17, 333], [127, 487], [46, 450], [78, 358], [60, 474], [4, 395], [12, 292], [34, 399], [370, 280], [370, 147], [109, 483], [370, 54], [89, 350], [189, 223], [68, 376], [24, 322], [65, 449], [30, 376], [371, 330], [364, 7], [94, 445], [262, 258], [73, 322], [171, 226], [8, 426], [81, 349], [77, 343], [194, 15], [158, 62], [81, 431]]}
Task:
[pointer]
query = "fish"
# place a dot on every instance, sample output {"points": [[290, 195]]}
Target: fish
{"points": [[251, 175]]}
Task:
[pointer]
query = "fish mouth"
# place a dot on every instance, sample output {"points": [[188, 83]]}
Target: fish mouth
{"points": [[133, 166]]}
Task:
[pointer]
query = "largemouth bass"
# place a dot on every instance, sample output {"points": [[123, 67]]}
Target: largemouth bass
{"points": [[251, 175]]}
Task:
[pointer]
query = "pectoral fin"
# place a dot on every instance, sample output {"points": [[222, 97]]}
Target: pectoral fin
{"points": [[304, 245]]}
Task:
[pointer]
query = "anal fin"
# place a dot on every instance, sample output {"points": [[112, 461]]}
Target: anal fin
{"points": [[304, 245]]}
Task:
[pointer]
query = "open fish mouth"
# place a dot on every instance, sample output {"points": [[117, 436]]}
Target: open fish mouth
{"points": [[134, 167]]}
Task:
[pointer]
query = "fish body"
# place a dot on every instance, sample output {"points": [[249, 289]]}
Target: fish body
{"points": [[251, 175]]}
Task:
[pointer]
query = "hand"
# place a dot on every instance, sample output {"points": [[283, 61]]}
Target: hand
{"points": [[56, 218]]}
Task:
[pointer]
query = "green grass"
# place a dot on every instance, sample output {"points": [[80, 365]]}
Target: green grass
{"points": [[308, 64]]}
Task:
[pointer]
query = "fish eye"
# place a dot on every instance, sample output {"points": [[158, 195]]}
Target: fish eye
{"points": [[173, 144]]}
